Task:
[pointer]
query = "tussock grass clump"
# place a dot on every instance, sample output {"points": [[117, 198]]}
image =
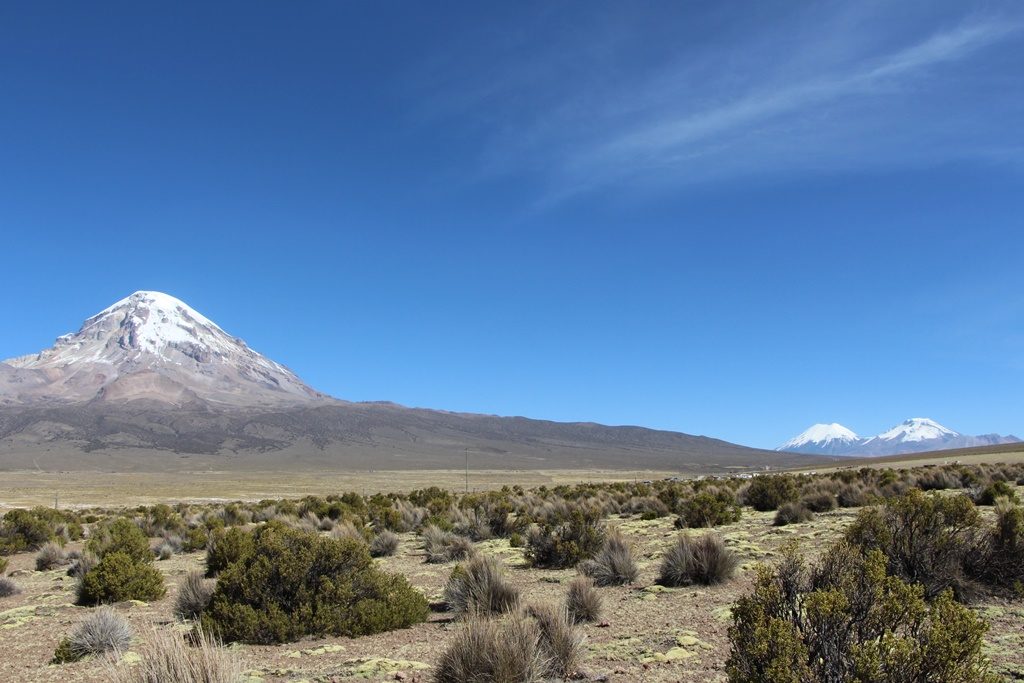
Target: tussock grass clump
{"points": [[167, 658], [290, 583], [521, 648], [494, 651], [8, 587], [102, 631], [164, 551], [560, 640], [384, 544], [193, 596], [792, 513], [81, 565], [347, 529], [50, 556], [444, 546], [479, 587], [614, 565], [582, 600], [704, 560]]}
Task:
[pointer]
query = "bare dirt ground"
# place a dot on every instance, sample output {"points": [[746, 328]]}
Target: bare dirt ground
{"points": [[647, 633]]}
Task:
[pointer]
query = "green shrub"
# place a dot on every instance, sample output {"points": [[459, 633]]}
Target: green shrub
{"points": [[708, 509], [225, 548], [123, 537], [23, 530], [847, 620], [3, 565], [118, 577], [994, 491], [999, 559], [768, 492], [516, 540], [195, 539], [288, 584], [926, 538], [564, 545]]}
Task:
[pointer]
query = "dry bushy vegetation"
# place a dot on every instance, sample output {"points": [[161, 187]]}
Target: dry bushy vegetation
{"points": [[282, 570], [101, 632]]}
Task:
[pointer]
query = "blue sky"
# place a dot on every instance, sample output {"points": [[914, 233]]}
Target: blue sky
{"points": [[732, 219]]}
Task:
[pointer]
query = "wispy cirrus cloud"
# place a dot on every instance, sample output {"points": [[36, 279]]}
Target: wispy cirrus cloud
{"points": [[587, 114]]}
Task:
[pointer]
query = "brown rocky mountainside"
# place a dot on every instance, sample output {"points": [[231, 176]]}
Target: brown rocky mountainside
{"points": [[149, 383]]}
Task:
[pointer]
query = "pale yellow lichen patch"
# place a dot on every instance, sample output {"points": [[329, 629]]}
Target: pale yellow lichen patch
{"points": [[378, 666], [19, 616]]}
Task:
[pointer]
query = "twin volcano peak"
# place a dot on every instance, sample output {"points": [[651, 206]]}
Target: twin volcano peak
{"points": [[152, 346]]}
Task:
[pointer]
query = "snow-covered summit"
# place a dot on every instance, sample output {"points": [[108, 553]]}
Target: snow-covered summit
{"points": [[916, 429], [823, 434], [151, 345], [911, 436]]}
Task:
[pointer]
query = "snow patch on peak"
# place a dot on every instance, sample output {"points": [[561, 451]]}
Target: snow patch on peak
{"points": [[821, 434], [917, 429]]}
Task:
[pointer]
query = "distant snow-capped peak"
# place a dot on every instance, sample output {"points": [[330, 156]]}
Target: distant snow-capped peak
{"points": [[916, 429], [821, 434]]}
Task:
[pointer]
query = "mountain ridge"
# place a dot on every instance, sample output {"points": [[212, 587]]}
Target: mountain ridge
{"points": [[150, 381]]}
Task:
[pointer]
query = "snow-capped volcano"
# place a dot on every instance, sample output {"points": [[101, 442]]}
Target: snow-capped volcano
{"points": [[915, 435], [821, 438], [916, 429], [151, 346]]}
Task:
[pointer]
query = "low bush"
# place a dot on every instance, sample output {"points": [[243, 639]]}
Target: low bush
{"points": [[709, 509], [994, 491], [3, 565], [479, 587], [384, 544], [926, 538], [225, 548], [166, 658], [853, 496], [704, 560], [8, 587], [558, 546], [820, 501], [847, 620], [122, 537], [118, 577], [193, 596], [288, 584], [999, 559], [23, 530], [50, 556], [582, 600], [614, 564], [768, 492], [792, 513], [102, 631]]}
